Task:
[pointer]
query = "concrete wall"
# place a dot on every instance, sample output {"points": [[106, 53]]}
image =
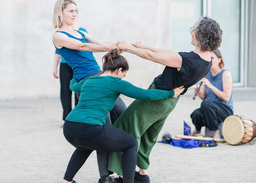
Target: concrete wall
{"points": [[26, 62], [26, 41], [252, 45]]}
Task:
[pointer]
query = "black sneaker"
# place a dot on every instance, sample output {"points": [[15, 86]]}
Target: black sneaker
{"points": [[73, 181], [110, 179], [120, 179], [141, 178]]}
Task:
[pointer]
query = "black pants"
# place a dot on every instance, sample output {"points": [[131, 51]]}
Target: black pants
{"points": [[210, 114], [66, 74], [87, 138], [102, 157]]}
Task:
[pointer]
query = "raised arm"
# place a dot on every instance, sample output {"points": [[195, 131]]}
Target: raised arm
{"points": [[140, 45], [226, 85], [168, 59], [61, 40]]}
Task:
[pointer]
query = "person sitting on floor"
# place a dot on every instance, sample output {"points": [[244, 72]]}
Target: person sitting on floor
{"points": [[217, 95]]}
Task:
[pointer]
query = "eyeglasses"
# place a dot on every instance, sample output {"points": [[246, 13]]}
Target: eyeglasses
{"points": [[191, 29]]}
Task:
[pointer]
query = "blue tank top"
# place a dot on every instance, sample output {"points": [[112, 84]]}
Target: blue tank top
{"points": [[82, 63], [217, 82], [62, 60]]}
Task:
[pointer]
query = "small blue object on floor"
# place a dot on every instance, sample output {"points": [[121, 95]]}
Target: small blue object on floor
{"points": [[184, 143], [187, 129]]}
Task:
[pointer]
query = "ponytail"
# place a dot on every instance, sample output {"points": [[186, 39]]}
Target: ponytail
{"points": [[112, 61]]}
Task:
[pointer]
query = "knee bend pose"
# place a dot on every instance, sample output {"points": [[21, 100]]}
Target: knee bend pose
{"points": [[85, 127], [76, 47], [217, 95], [145, 119]]}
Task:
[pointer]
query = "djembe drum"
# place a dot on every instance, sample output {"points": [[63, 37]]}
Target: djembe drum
{"points": [[238, 130]]}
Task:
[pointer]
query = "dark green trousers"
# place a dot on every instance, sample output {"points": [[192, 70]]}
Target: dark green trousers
{"points": [[144, 120]]}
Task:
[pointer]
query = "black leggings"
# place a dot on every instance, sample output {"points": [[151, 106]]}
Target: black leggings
{"points": [[66, 74], [87, 138]]}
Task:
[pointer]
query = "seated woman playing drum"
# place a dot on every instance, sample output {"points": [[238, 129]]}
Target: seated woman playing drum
{"points": [[216, 93]]}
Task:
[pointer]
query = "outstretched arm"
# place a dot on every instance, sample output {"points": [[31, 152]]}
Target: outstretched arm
{"points": [[61, 40], [132, 91], [172, 59], [140, 45], [93, 40]]}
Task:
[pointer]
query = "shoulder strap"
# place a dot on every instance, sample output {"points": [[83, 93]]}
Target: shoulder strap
{"points": [[81, 33], [82, 29], [69, 35], [63, 32]]}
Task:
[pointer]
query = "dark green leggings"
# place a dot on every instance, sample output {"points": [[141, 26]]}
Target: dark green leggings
{"points": [[144, 120]]}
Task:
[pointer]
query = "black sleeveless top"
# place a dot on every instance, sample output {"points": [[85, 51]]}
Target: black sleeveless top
{"points": [[192, 70]]}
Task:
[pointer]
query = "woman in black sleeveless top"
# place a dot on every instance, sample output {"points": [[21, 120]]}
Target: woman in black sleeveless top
{"points": [[145, 119]]}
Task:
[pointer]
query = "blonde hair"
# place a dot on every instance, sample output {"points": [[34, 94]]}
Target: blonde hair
{"points": [[59, 6]]}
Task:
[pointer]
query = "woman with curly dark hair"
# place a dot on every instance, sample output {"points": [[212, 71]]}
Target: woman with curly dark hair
{"points": [[145, 119]]}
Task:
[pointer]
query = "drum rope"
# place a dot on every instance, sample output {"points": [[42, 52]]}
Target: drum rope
{"points": [[253, 131]]}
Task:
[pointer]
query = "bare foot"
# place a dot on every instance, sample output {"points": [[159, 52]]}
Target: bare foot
{"points": [[64, 181], [143, 172], [216, 134], [194, 132]]}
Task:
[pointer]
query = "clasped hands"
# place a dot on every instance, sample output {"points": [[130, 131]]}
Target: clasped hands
{"points": [[122, 46]]}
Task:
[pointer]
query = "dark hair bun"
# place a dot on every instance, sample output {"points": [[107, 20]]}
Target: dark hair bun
{"points": [[112, 61], [111, 55]]}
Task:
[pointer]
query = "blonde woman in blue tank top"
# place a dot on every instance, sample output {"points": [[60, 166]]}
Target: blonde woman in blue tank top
{"points": [[76, 47], [65, 75]]}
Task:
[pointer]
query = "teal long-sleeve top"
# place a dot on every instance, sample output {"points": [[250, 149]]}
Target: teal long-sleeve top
{"points": [[99, 93]]}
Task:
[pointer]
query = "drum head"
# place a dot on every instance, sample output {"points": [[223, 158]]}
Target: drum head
{"points": [[233, 130]]}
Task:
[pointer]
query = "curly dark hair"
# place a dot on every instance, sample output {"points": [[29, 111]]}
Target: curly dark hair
{"points": [[208, 34], [112, 61]]}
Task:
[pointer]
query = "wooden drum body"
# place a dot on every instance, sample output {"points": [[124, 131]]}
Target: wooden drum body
{"points": [[238, 130]]}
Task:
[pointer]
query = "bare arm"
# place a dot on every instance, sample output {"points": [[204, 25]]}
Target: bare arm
{"points": [[140, 45], [61, 40], [226, 84], [55, 65], [93, 40], [168, 59]]}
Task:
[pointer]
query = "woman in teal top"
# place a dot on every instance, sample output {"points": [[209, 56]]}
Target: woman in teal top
{"points": [[85, 126], [76, 47]]}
